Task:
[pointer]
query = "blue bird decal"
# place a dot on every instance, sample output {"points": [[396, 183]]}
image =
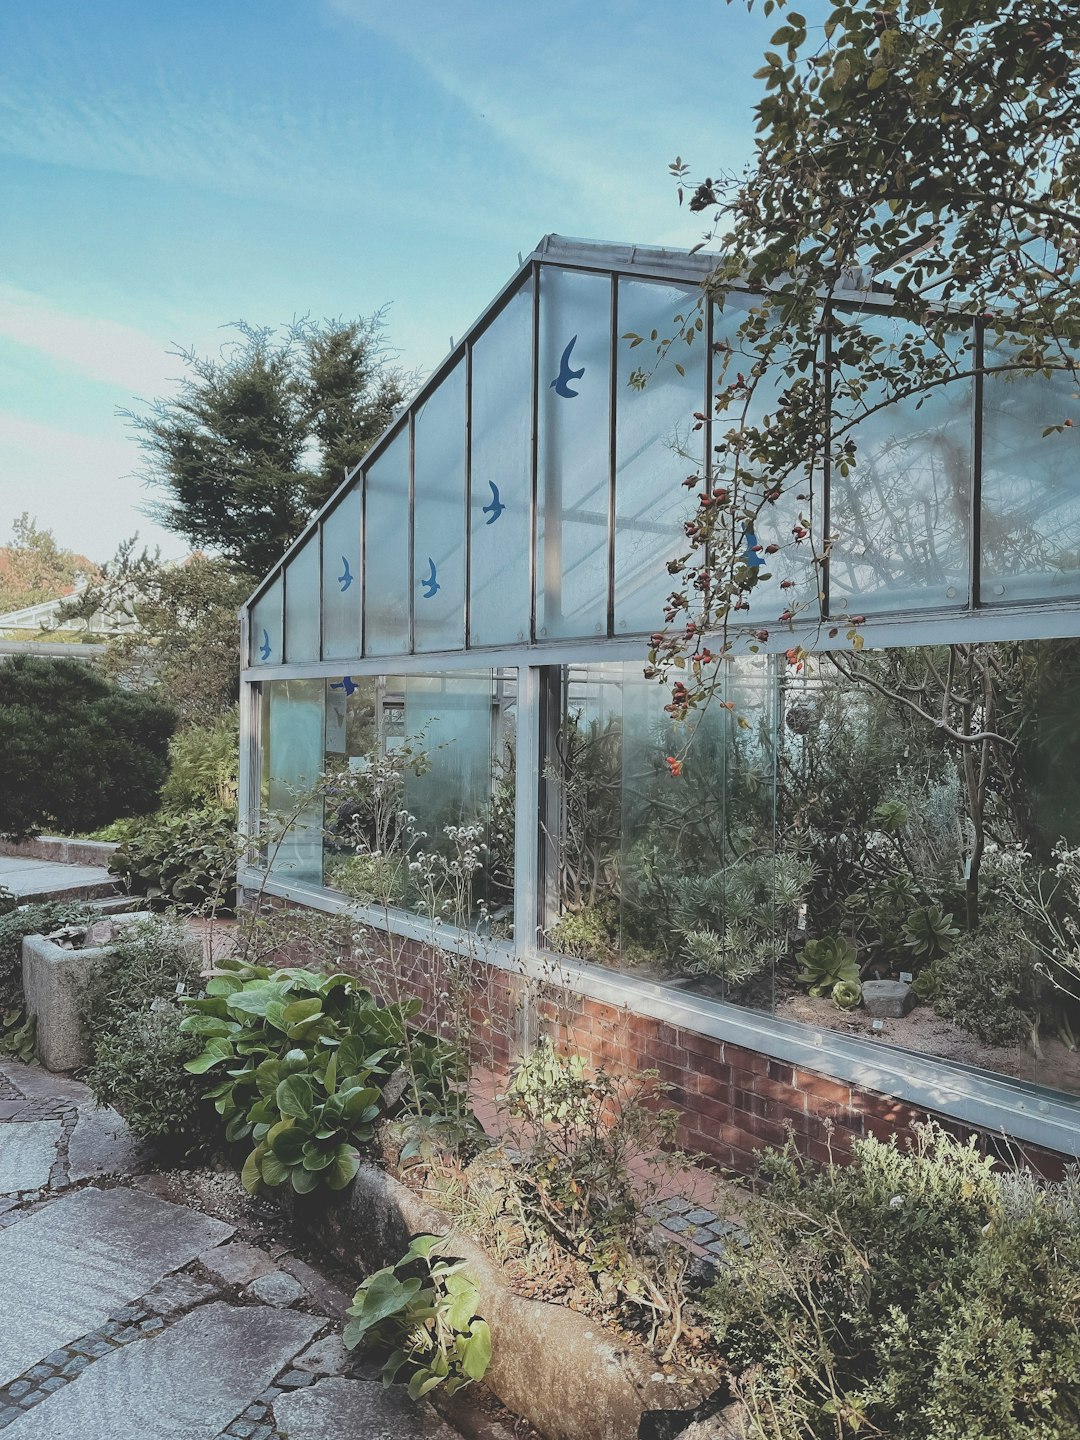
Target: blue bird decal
{"points": [[496, 508], [559, 384], [345, 579], [429, 582], [348, 684], [753, 546], [264, 652]]}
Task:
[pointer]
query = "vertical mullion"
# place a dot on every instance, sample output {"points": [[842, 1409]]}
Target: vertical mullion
{"points": [[826, 466], [363, 562], [319, 571], [411, 646], [534, 448], [529, 763], [975, 498], [613, 375], [467, 626]]}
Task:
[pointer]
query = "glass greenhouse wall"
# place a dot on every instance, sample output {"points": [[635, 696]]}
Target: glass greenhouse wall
{"points": [[446, 714]]}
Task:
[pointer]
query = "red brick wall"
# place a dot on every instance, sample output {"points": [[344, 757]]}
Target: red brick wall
{"points": [[734, 1101]]}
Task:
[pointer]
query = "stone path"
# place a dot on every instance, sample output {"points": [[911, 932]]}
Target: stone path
{"points": [[124, 1316], [51, 880]]}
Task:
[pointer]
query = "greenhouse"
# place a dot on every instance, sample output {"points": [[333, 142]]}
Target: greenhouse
{"points": [[862, 869]]}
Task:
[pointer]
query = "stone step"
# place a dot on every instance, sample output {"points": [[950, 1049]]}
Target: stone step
{"points": [[348, 1409]]}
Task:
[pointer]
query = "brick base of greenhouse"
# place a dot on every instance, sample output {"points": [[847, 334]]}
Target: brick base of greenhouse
{"points": [[734, 1101]]}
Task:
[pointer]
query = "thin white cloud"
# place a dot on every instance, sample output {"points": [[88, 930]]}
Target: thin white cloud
{"points": [[596, 97], [80, 486], [100, 348]]}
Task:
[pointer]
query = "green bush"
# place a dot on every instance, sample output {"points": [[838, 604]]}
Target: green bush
{"points": [[913, 1294], [131, 1022], [75, 751], [204, 766], [986, 983], [307, 1056], [184, 860]]}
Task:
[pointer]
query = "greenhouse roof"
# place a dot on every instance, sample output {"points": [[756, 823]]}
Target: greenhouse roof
{"points": [[529, 495]]}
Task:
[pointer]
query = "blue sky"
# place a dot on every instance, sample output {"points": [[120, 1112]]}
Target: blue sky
{"points": [[168, 168]]}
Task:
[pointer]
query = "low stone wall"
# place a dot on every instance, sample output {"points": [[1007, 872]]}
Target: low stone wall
{"points": [[60, 850], [557, 1368]]}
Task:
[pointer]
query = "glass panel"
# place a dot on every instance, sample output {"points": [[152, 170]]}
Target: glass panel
{"points": [[934, 855], [342, 585], [439, 517], [386, 550], [666, 862], [777, 533], [655, 449], [265, 636], [501, 476], [407, 757], [1030, 497], [292, 823], [572, 520], [302, 602], [901, 514]]}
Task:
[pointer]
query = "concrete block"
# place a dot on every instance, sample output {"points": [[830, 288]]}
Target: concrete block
{"points": [[887, 999], [51, 979]]}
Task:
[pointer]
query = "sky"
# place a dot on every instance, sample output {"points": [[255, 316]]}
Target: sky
{"points": [[166, 169]]}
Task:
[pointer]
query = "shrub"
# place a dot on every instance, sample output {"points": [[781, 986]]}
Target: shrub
{"points": [[985, 983], [182, 860], [75, 752], [131, 1022], [204, 766], [913, 1293]]}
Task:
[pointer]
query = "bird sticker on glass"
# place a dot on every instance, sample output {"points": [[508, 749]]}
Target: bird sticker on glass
{"points": [[561, 384]]}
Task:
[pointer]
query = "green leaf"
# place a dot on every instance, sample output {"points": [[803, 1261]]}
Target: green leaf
{"points": [[304, 1181], [295, 1096], [216, 1051], [345, 1164], [288, 1144], [476, 1351], [251, 1175], [301, 1010], [272, 1170]]}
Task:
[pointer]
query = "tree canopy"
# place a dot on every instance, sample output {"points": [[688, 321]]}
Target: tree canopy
{"points": [[255, 440], [33, 567], [927, 149], [76, 753], [186, 648]]}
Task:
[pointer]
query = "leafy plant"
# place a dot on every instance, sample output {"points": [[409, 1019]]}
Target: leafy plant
{"points": [[8, 900], [830, 968], [181, 860], [17, 1030], [911, 1293], [307, 1056], [421, 1312], [929, 932]]}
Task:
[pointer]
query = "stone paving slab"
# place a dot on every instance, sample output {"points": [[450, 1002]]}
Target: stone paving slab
{"points": [[37, 1084], [27, 1152], [355, 1408], [103, 1145], [185, 1383], [67, 1267], [33, 880]]}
